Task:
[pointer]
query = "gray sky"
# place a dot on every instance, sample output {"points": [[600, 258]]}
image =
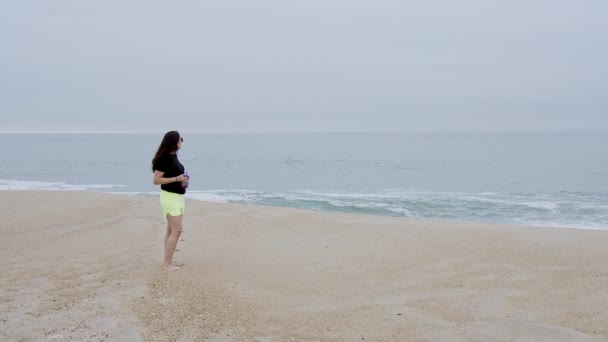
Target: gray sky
{"points": [[313, 65]]}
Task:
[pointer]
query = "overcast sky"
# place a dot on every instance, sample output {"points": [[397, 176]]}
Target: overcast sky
{"points": [[303, 65]]}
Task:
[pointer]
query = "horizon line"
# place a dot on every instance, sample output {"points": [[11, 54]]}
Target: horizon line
{"points": [[312, 131]]}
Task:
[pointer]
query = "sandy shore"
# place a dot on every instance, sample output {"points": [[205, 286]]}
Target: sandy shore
{"points": [[86, 267]]}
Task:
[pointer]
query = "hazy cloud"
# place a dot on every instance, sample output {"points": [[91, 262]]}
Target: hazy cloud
{"points": [[303, 65]]}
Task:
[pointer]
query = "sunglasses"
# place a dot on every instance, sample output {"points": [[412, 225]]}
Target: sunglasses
{"points": [[181, 139]]}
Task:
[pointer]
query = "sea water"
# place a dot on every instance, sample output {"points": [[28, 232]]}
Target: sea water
{"points": [[535, 178]]}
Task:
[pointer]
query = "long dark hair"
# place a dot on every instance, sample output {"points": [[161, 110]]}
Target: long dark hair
{"points": [[167, 147]]}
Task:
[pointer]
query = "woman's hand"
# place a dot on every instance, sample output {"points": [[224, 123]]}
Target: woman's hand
{"points": [[180, 178]]}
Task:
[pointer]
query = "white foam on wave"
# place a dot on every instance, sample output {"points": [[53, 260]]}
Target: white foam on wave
{"points": [[546, 205], [223, 196], [551, 206], [369, 195], [417, 196], [250, 196], [133, 193], [508, 209], [14, 184], [591, 226]]}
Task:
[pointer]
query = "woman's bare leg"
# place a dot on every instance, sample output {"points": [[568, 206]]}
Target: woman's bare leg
{"points": [[175, 225], [167, 238], [167, 234]]}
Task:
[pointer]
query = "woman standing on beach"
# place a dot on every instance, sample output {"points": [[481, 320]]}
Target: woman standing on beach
{"points": [[169, 174]]}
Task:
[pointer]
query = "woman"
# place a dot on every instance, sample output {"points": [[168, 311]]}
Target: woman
{"points": [[169, 174]]}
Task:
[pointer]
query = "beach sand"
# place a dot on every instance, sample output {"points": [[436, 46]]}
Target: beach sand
{"points": [[86, 266]]}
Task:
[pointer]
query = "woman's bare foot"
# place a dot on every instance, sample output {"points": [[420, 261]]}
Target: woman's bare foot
{"points": [[170, 267]]}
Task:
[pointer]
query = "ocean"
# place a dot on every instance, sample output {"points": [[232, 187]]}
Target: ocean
{"points": [[557, 179]]}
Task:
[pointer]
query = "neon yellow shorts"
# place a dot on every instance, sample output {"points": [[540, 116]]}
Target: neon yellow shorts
{"points": [[171, 203]]}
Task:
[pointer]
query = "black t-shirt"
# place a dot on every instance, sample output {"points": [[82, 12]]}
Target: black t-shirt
{"points": [[171, 167]]}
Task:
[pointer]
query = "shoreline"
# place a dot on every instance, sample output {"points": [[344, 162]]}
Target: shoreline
{"points": [[86, 265], [199, 196], [438, 220]]}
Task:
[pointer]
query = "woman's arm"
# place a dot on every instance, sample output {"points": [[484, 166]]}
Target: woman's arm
{"points": [[159, 179]]}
